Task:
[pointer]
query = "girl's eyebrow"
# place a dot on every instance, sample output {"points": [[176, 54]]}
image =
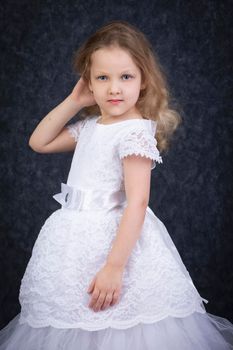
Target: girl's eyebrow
{"points": [[124, 71]]}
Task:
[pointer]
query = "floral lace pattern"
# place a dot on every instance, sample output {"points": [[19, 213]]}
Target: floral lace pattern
{"points": [[73, 245], [140, 142], [75, 128]]}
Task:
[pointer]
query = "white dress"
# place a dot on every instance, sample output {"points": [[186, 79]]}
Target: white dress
{"points": [[159, 306]]}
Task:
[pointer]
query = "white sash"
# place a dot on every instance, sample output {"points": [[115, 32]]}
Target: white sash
{"points": [[73, 198]]}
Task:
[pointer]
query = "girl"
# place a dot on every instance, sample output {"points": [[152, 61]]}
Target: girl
{"points": [[104, 272]]}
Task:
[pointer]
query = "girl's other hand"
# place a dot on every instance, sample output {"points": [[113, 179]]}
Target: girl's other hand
{"points": [[82, 94], [105, 287]]}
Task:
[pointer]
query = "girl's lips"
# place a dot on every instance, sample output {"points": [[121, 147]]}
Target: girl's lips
{"points": [[114, 101]]}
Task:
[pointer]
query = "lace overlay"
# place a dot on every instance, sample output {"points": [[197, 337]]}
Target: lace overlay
{"points": [[140, 142], [73, 245], [71, 248], [75, 128]]}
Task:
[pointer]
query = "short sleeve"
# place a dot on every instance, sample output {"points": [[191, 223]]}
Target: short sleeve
{"points": [[75, 128], [140, 142]]}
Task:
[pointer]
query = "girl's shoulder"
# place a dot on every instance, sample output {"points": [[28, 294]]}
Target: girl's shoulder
{"points": [[76, 128], [138, 137]]}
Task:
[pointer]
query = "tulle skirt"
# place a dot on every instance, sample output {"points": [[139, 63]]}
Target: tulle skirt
{"points": [[195, 332]]}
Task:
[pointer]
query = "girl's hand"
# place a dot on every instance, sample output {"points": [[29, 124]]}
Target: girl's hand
{"points": [[105, 287], [82, 94]]}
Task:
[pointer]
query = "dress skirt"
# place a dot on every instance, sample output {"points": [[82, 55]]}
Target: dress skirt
{"points": [[194, 332], [159, 307]]}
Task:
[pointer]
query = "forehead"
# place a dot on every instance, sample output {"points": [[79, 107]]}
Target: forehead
{"points": [[112, 58]]}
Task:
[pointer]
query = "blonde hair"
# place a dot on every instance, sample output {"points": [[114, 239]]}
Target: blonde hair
{"points": [[154, 100]]}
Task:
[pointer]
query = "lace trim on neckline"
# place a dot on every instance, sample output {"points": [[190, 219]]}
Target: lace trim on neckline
{"points": [[123, 121]]}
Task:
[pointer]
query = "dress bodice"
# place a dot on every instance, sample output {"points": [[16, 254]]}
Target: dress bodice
{"points": [[97, 159]]}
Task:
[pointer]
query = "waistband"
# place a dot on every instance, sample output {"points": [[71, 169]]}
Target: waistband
{"points": [[73, 198]]}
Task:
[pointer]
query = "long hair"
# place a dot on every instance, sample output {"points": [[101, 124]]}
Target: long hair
{"points": [[154, 101]]}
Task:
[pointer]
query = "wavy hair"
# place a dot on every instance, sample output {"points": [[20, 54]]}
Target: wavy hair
{"points": [[154, 101]]}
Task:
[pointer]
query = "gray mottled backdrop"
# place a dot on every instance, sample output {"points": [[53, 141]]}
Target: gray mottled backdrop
{"points": [[191, 191]]}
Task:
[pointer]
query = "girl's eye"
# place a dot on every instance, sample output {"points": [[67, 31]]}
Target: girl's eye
{"points": [[101, 76], [104, 76], [127, 75]]}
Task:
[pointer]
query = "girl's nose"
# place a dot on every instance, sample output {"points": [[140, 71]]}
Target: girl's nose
{"points": [[114, 88]]}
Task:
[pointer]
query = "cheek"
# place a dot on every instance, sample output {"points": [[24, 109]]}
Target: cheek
{"points": [[99, 96], [98, 88], [134, 92], [98, 93]]}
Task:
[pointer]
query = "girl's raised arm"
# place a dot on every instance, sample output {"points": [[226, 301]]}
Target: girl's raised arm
{"points": [[50, 135]]}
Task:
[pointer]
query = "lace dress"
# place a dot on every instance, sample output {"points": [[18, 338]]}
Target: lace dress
{"points": [[159, 306]]}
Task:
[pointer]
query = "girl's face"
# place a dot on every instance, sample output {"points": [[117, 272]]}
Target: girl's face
{"points": [[114, 76]]}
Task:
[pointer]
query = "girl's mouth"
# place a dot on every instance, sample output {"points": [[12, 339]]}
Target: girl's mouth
{"points": [[114, 102]]}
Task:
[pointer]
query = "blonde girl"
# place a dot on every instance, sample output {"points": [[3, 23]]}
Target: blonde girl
{"points": [[104, 272]]}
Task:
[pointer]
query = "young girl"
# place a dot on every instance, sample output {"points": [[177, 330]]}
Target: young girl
{"points": [[104, 272]]}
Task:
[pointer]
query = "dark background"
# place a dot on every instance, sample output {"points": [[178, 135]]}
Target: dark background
{"points": [[191, 192]]}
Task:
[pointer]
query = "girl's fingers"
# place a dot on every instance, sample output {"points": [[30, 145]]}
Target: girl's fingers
{"points": [[94, 297], [91, 286], [115, 298], [107, 301], [99, 301]]}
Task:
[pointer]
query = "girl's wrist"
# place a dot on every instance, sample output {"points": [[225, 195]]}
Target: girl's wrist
{"points": [[115, 266], [75, 104]]}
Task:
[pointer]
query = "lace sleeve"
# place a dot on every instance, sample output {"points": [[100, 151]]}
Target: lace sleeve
{"points": [[75, 128], [140, 142]]}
